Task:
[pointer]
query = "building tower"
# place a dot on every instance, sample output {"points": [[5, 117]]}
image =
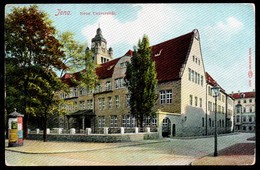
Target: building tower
{"points": [[99, 49]]}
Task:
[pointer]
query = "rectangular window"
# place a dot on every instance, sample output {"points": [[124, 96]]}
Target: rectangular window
{"points": [[82, 104], [203, 122], [238, 110], [209, 122], [109, 102], [222, 98], [147, 121], [238, 118], [99, 88], [223, 109], [81, 91], [99, 103], [219, 108], [128, 121], [191, 100], [154, 122], [162, 97], [198, 78], [210, 106], [189, 74], [103, 103], [196, 101], [116, 83], [113, 121], [209, 91], [169, 96], [133, 121], [117, 101], [250, 109], [108, 85], [250, 118], [244, 118], [199, 61], [128, 100], [124, 120], [119, 82], [201, 81], [165, 122], [200, 102], [90, 104], [244, 101], [101, 121], [192, 75], [250, 100]]}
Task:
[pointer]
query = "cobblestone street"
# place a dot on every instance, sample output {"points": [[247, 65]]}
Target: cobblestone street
{"points": [[195, 151]]}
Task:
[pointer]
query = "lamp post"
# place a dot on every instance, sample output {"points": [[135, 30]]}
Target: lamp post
{"points": [[215, 89]]}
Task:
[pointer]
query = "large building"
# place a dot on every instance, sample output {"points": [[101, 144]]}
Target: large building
{"points": [[185, 106], [244, 111]]}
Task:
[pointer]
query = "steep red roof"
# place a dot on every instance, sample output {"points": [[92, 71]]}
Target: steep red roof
{"points": [[211, 81], [106, 69], [169, 56], [129, 53], [246, 95]]}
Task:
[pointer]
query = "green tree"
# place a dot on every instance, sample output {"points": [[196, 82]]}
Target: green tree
{"points": [[141, 81], [78, 60], [31, 46]]}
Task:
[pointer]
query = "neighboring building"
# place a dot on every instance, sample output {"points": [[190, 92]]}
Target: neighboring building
{"points": [[224, 108], [182, 89], [244, 106]]}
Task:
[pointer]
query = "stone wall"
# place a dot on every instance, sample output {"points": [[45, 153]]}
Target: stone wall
{"points": [[96, 137]]}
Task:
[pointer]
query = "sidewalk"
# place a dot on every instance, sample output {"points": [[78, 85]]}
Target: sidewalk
{"points": [[40, 147], [238, 154]]}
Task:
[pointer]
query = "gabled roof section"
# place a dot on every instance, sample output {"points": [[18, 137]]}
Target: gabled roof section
{"points": [[106, 69], [243, 95], [211, 81], [169, 56], [129, 53]]}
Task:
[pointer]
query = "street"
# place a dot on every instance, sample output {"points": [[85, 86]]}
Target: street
{"points": [[170, 152]]}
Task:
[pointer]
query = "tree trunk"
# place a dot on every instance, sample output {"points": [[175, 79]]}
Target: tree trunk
{"points": [[141, 121], [25, 126], [44, 130]]}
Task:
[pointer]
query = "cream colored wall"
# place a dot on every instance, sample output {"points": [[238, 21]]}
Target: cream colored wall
{"points": [[191, 88]]}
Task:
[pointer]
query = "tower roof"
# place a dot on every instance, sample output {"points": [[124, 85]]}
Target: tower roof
{"points": [[99, 36]]}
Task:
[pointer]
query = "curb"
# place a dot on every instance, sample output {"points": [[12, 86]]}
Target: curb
{"points": [[208, 136], [58, 152]]}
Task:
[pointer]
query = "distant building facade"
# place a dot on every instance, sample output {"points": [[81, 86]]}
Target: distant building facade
{"points": [[185, 106], [244, 111]]}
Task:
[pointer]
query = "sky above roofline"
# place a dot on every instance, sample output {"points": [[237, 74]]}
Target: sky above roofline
{"points": [[227, 32]]}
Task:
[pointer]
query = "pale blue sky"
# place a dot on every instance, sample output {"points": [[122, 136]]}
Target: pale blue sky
{"points": [[227, 32]]}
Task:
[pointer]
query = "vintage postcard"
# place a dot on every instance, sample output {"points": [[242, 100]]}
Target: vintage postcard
{"points": [[129, 84]]}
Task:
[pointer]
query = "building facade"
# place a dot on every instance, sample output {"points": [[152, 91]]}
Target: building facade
{"points": [[244, 111], [185, 103]]}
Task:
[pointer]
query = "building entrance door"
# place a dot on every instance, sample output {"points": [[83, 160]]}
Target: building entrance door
{"points": [[166, 127]]}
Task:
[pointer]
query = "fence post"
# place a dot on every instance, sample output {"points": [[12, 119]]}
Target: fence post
{"points": [[136, 129], [122, 130], [72, 131], [105, 130], [88, 131]]}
